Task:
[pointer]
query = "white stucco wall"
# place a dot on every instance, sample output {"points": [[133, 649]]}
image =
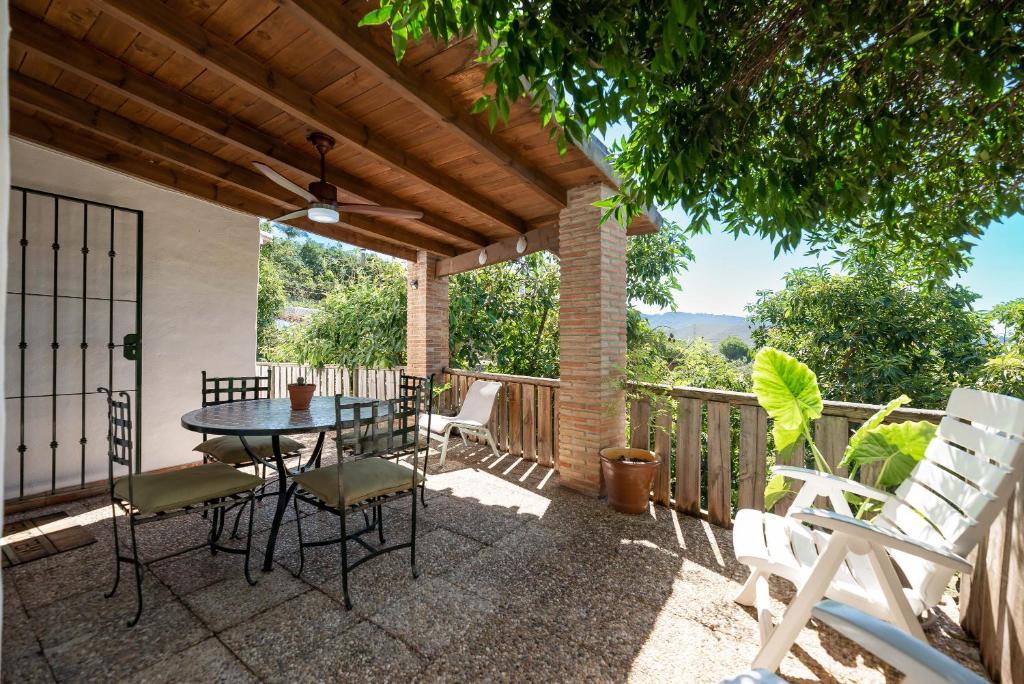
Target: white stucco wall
{"points": [[200, 266]]}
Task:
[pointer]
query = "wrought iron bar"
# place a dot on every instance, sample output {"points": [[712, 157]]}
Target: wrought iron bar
{"points": [[55, 344]]}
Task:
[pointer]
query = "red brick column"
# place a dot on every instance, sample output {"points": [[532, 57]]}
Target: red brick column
{"points": [[592, 338], [427, 318]]}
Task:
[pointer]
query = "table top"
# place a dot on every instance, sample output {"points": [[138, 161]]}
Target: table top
{"points": [[255, 417]]}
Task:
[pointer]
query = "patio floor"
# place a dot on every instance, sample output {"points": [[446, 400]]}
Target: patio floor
{"points": [[521, 581]]}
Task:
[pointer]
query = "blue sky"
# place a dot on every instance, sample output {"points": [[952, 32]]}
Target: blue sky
{"points": [[726, 273]]}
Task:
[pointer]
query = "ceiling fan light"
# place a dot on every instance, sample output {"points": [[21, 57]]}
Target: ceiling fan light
{"points": [[322, 214], [521, 245]]}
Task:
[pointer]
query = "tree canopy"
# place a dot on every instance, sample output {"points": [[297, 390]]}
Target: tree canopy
{"points": [[897, 122]]}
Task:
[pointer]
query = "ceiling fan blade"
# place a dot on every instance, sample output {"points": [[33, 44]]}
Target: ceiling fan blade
{"points": [[288, 217], [284, 182], [374, 210]]}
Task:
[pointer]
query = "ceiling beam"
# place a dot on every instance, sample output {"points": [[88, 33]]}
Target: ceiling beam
{"points": [[500, 251], [27, 127], [40, 97], [98, 68], [331, 22], [210, 51]]}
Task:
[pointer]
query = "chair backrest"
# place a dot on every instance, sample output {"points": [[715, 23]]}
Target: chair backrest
{"points": [[479, 401], [964, 481], [120, 446], [423, 388], [377, 428], [225, 390]]}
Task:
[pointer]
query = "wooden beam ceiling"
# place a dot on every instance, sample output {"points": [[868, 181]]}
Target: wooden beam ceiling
{"points": [[210, 51], [98, 68], [330, 22], [501, 251], [27, 127], [41, 98]]}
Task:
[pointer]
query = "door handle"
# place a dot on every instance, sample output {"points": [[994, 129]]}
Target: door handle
{"points": [[130, 348]]}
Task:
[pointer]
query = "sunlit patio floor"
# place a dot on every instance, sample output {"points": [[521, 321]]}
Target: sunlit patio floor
{"points": [[521, 581]]}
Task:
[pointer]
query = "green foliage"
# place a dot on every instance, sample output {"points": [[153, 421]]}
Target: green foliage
{"points": [[1004, 371], [838, 123], [270, 301], [870, 424], [873, 333], [897, 447], [734, 349], [788, 392]]}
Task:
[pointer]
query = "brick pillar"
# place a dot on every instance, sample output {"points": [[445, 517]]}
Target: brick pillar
{"points": [[427, 318], [592, 338]]}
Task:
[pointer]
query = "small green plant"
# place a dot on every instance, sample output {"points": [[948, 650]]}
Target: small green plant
{"points": [[788, 391], [300, 380]]}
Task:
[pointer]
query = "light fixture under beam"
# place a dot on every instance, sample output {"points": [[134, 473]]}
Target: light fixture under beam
{"points": [[483, 257], [323, 213], [521, 245]]}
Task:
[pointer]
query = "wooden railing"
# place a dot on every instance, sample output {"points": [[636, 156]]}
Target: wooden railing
{"points": [[714, 445], [373, 383], [524, 422]]}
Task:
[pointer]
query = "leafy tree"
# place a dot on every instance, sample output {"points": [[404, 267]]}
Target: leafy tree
{"points": [[734, 349], [872, 334], [1004, 371], [838, 123], [270, 301]]}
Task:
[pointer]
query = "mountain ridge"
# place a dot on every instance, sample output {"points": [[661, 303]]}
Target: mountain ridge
{"points": [[714, 328]]}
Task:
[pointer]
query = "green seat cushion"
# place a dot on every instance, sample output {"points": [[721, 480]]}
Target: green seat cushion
{"points": [[156, 492], [363, 479], [228, 448]]}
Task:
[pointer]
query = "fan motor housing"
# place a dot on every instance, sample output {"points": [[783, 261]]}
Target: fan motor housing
{"points": [[325, 192]]}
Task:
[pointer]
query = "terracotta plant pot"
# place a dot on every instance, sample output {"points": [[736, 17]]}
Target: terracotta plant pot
{"points": [[628, 477], [300, 396]]}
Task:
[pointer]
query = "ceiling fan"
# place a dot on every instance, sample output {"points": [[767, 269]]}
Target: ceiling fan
{"points": [[323, 197]]}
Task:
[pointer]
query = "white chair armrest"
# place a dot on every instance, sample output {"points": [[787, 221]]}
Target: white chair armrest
{"points": [[816, 478], [914, 658], [874, 534]]}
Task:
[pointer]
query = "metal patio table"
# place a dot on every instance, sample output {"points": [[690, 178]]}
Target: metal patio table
{"points": [[273, 418]]}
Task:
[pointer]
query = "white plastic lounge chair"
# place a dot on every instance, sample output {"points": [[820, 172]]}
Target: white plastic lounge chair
{"points": [[472, 419], [926, 529], [919, 662]]}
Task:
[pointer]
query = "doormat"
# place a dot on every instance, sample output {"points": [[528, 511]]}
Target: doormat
{"points": [[44, 535]]}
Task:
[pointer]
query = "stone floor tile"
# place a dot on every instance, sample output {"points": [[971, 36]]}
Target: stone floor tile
{"points": [[27, 668], [434, 616], [199, 569], [486, 524], [207, 661], [117, 651], [232, 600]]}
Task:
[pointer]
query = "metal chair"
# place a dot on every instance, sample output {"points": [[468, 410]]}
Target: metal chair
{"points": [[149, 497], [415, 386], [228, 448], [365, 477]]}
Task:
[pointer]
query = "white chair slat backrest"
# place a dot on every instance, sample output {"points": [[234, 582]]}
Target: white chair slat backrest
{"points": [[479, 402], [963, 483]]}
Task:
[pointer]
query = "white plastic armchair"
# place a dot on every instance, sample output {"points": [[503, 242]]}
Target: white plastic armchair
{"points": [[472, 419], [919, 662], [926, 529]]}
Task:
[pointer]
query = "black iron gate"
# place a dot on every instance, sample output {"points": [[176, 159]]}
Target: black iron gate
{"points": [[74, 316]]}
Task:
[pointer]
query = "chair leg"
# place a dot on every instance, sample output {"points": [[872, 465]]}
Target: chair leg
{"points": [[462, 435], [412, 540], [902, 614], [423, 485], [298, 526], [238, 519], [799, 611], [380, 523], [248, 539], [138, 573], [117, 552], [344, 562], [490, 440], [444, 445], [747, 592]]}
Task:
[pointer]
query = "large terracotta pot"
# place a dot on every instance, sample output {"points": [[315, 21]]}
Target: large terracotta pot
{"points": [[628, 477], [301, 395]]}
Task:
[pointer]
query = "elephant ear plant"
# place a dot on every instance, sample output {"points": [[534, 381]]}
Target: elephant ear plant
{"points": [[788, 391]]}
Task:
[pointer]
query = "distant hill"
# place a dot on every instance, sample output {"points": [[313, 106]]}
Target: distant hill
{"points": [[712, 327]]}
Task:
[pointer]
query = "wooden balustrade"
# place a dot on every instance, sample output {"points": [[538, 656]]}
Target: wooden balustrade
{"points": [[524, 422], [713, 445], [373, 383]]}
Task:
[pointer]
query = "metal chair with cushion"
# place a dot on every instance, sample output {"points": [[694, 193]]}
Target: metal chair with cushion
{"points": [[365, 477], [228, 448], [147, 497], [422, 387]]}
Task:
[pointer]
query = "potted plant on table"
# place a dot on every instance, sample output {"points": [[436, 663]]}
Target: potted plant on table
{"points": [[300, 393]]}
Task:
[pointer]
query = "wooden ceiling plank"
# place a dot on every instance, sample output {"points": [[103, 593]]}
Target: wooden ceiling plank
{"points": [[500, 251], [97, 67], [214, 53], [34, 130], [336, 27], [39, 97]]}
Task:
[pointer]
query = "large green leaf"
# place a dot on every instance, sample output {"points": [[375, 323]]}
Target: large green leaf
{"points": [[777, 488], [897, 447], [870, 424], [786, 388]]}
